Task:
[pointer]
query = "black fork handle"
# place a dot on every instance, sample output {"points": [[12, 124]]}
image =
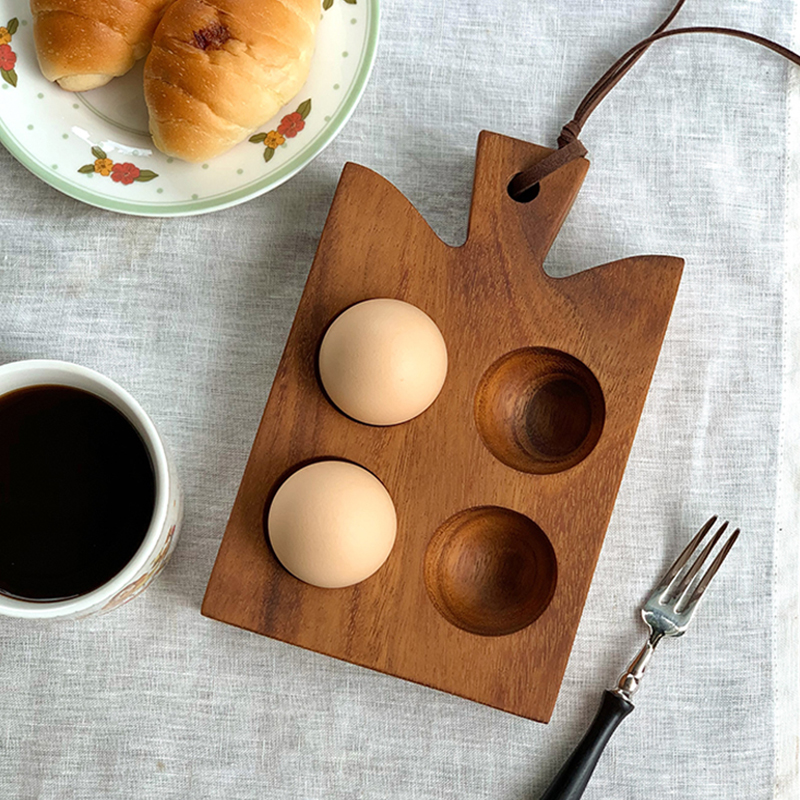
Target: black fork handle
{"points": [[573, 778]]}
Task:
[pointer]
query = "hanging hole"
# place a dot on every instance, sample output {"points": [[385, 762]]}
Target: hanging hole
{"points": [[529, 194]]}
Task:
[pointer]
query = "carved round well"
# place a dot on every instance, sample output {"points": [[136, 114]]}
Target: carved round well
{"points": [[490, 570], [539, 410]]}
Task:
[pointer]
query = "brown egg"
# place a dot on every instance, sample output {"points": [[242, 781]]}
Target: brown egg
{"points": [[383, 361], [332, 524]]}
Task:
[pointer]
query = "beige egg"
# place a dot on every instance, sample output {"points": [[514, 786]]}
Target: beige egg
{"points": [[383, 361], [332, 524]]}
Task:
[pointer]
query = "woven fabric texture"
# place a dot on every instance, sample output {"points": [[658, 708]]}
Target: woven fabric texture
{"points": [[690, 157]]}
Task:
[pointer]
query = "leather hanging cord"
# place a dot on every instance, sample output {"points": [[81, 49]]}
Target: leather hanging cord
{"points": [[569, 141], [572, 148], [623, 65]]}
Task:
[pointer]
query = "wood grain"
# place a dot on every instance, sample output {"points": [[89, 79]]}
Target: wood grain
{"points": [[585, 350]]}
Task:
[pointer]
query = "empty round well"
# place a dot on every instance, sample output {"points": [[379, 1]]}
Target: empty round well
{"points": [[539, 410], [490, 570]]}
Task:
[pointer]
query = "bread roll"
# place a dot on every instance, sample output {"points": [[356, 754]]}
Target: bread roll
{"points": [[83, 44], [220, 69]]}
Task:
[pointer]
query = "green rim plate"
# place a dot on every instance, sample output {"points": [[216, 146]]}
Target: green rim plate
{"points": [[94, 146]]}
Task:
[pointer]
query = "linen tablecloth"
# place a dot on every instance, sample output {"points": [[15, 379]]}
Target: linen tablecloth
{"points": [[695, 154]]}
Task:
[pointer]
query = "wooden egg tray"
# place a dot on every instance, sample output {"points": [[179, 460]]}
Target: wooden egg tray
{"points": [[504, 487]]}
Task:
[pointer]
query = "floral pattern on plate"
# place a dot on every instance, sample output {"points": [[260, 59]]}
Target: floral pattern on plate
{"points": [[8, 58], [121, 172], [289, 127], [326, 4]]}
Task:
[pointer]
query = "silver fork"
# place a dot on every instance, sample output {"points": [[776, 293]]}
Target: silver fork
{"points": [[667, 612]]}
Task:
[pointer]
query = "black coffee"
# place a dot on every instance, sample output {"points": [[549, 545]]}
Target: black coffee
{"points": [[77, 492]]}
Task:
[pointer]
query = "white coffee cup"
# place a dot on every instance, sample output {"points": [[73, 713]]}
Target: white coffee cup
{"points": [[162, 533]]}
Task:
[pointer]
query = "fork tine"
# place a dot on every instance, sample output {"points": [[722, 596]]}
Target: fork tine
{"points": [[711, 572], [686, 582], [681, 560]]}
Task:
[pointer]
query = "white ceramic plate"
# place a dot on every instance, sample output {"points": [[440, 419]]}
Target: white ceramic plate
{"points": [[95, 146]]}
